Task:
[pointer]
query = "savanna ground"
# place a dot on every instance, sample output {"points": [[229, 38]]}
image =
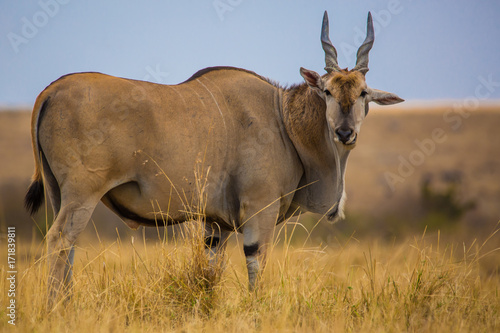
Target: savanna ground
{"points": [[417, 252], [133, 285]]}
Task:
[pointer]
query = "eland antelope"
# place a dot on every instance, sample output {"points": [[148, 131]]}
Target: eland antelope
{"points": [[272, 151]]}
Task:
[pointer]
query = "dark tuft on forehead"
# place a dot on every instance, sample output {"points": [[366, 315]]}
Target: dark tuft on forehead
{"points": [[345, 85], [346, 79]]}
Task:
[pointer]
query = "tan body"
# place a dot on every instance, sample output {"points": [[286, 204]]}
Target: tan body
{"points": [[141, 152], [253, 151]]}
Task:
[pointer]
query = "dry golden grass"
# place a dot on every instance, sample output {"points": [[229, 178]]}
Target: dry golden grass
{"points": [[130, 285]]}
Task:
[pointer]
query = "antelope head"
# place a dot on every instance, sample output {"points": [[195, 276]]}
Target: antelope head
{"points": [[344, 91]]}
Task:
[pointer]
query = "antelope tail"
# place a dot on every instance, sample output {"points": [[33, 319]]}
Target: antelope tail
{"points": [[35, 195]]}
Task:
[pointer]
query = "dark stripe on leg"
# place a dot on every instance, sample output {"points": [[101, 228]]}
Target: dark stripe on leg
{"points": [[251, 250], [211, 242]]}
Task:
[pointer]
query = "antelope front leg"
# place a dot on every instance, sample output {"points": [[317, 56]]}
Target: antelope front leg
{"points": [[257, 235]]}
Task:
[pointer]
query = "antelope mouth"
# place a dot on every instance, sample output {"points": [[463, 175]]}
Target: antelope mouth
{"points": [[350, 143], [352, 140], [347, 142]]}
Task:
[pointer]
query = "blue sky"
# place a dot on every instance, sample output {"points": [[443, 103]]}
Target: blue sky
{"points": [[424, 50]]}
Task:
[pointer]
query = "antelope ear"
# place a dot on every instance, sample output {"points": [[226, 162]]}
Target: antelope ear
{"points": [[312, 78], [384, 97]]}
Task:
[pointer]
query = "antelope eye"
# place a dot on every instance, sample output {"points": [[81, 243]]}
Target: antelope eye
{"points": [[327, 92], [364, 93]]}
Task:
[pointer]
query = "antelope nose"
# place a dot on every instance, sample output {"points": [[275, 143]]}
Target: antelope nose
{"points": [[344, 134]]}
